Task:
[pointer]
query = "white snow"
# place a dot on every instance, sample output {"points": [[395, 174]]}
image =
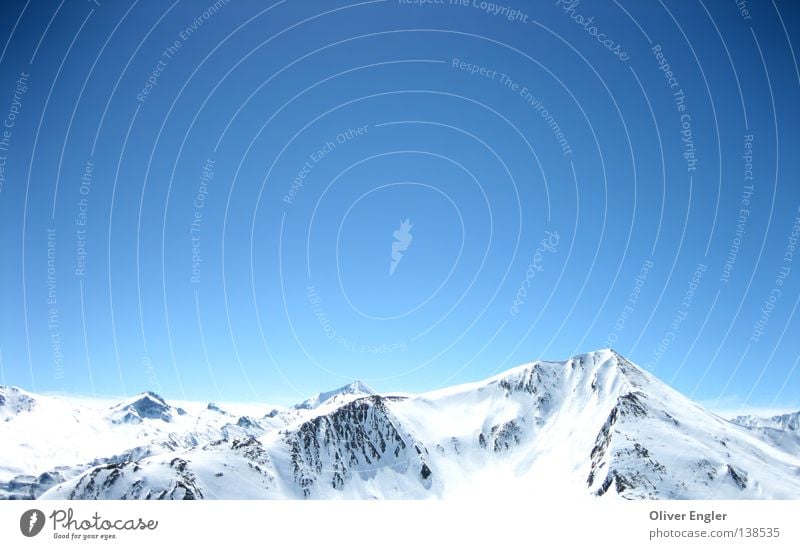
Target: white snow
{"points": [[592, 426]]}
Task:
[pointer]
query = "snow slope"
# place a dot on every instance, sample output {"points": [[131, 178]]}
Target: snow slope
{"points": [[592, 426]]}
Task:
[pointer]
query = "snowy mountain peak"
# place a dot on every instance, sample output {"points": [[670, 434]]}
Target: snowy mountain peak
{"points": [[357, 440], [14, 401], [789, 422], [604, 372], [147, 405], [783, 422], [6, 390], [359, 387], [214, 408], [750, 421], [342, 394], [593, 425]]}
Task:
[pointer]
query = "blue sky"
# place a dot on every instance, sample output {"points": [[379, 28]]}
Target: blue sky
{"points": [[204, 199]]}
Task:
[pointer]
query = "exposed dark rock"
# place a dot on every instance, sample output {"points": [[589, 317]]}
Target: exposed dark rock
{"points": [[738, 476]]}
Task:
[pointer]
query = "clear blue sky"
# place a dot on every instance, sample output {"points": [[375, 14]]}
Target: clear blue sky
{"points": [[206, 199]]}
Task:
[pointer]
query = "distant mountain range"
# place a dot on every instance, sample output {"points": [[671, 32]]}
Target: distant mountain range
{"points": [[595, 425]]}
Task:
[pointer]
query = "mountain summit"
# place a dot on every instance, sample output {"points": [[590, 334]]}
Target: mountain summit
{"points": [[14, 401], [593, 426], [147, 405], [356, 388]]}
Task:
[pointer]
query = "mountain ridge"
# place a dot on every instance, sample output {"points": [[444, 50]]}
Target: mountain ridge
{"points": [[354, 388], [595, 425]]}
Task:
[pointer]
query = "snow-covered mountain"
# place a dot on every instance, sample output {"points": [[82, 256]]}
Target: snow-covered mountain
{"points": [[592, 426], [342, 395], [13, 402], [145, 406], [786, 422], [781, 430]]}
